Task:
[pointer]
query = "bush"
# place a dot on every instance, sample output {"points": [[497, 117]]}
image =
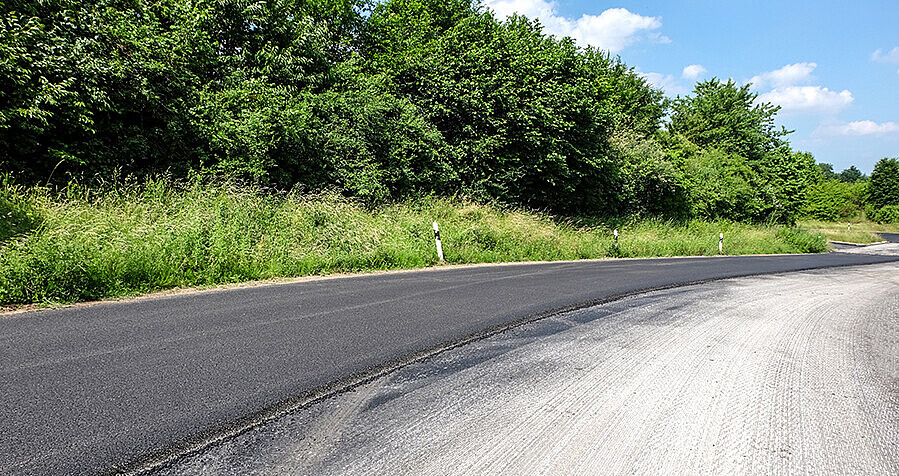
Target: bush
{"points": [[834, 200], [651, 184], [19, 212], [803, 241], [723, 186], [885, 214]]}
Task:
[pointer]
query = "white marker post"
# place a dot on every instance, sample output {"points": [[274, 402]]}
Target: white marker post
{"points": [[616, 238], [849, 226], [720, 243], [437, 240]]}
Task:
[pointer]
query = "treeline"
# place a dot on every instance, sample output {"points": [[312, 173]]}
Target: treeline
{"points": [[383, 101]]}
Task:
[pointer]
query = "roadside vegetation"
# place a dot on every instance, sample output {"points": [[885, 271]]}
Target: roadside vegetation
{"points": [[78, 244], [861, 231], [313, 136]]}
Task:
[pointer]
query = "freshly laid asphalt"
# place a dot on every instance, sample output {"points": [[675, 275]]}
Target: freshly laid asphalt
{"points": [[758, 375], [118, 386], [891, 237]]}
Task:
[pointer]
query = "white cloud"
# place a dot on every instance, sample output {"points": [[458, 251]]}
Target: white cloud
{"points": [[612, 30], [694, 71], [666, 82], [528, 8], [808, 99], [789, 75], [857, 128], [891, 56]]}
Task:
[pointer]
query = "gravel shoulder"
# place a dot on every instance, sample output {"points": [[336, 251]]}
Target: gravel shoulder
{"points": [[791, 373]]}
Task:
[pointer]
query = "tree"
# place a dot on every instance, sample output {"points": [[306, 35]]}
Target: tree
{"points": [[789, 175], [827, 171], [851, 175], [883, 188], [528, 117], [379, 100], [727, 117], [91, 87]]}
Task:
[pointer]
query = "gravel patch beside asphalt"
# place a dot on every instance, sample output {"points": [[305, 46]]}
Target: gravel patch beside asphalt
{"points": [[794, 373]]}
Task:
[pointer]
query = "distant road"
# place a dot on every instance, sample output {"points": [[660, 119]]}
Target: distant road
{"points": [[891, 237], [100, 388]]}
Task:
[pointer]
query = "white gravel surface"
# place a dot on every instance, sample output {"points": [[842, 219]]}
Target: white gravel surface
{"points": [[794, 373], [888, 249]]}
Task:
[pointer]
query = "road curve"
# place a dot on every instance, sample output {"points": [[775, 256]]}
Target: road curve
{"points": [[789, 374], [118, 386]]}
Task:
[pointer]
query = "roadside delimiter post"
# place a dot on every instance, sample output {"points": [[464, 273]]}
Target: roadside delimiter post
{"points": [[615, 233], [720, 243], [437, 240]]}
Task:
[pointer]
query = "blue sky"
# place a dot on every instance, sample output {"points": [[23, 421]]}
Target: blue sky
{"points": [[833, 66]]}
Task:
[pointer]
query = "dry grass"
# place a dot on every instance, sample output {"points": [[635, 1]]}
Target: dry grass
{"points": [[859, 232]]}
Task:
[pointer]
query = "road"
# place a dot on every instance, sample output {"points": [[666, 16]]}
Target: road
{"points": [[788, 374], [120, 386], [890, 237]]}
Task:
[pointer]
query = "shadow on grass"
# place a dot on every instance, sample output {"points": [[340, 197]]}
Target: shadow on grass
{"points": [[16, 218]]}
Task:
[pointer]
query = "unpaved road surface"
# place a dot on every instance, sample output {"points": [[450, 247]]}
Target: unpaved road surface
{"points": [[791, 373]]}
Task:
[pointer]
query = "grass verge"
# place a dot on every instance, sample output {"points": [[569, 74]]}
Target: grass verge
{"points": [[81, 245], [862, 231]]}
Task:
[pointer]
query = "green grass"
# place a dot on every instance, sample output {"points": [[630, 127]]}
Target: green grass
{"points": [[81, 245], [861, 231]]}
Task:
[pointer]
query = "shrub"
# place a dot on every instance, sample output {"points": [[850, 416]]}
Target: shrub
{"points": [[886, 214], [834, 200]]}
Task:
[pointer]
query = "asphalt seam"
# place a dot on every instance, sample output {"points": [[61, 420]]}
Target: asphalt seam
{"points": [[186, 447], [28, 310]]}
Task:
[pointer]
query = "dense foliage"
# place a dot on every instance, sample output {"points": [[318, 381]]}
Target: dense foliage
{"points": [[833, 200], [383, 101], [883, 191]]}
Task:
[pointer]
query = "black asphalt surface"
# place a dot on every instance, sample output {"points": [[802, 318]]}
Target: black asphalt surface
{"points": [[891, 237], [115, 386]]}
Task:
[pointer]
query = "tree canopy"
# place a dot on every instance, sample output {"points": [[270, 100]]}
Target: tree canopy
{"points": [[380, 101], [884, 184]]}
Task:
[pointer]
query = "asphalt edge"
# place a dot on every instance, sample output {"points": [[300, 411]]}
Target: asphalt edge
{"points": [[192, 445], [857, 244], [28, 309]]}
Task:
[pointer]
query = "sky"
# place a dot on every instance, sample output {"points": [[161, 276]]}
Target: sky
{"points": [[832, 66]]}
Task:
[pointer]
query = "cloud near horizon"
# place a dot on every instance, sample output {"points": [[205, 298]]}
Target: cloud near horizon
{"points": [[786, 76], [815, 99], [857, 128], [612, 30]]}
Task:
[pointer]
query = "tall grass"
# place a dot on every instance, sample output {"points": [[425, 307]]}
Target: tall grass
{"points": [[860, 231], [80, 244]]}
